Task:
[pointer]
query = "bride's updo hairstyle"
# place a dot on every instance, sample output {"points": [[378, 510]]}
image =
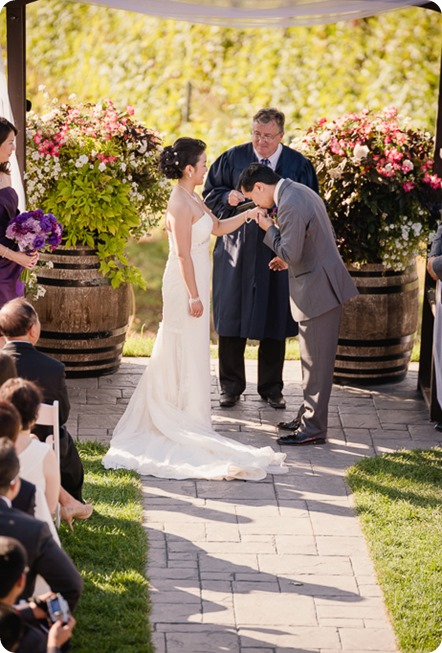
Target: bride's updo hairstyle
{"points": [[174, 158]]}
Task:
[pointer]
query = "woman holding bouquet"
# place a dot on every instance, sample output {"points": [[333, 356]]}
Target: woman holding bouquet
{"points": [[11, 260]]}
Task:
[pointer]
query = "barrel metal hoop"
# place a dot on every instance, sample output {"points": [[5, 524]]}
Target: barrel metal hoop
{"points": [[70, 283], [388, 290], [94, 335]]}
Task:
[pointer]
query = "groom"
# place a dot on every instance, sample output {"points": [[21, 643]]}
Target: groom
{"points": [[319, 284]]}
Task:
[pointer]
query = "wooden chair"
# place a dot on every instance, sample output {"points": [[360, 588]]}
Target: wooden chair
{"points": [[48, 416]]}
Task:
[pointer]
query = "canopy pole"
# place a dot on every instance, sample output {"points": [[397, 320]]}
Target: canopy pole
{"points": [[16, 54]]}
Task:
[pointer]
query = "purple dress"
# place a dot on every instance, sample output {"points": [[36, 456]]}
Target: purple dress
{"points": [[10, 284]]}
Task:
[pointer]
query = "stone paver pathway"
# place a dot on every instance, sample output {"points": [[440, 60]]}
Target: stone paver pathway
{"points": [[278, 566]]}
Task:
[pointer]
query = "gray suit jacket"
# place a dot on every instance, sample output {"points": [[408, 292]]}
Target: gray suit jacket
{"points": [[318, 278]]}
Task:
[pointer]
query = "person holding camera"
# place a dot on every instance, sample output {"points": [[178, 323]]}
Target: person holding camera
{"points": [[42, 625]]}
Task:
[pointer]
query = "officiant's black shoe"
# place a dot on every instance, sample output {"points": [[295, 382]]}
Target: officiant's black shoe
{"points": [[297, 439], [227, 401], [276, 401]]}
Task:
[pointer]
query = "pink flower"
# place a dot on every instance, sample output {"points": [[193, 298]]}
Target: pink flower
{"points": [[336, 148], [408, 186], [130, 110], [433, 180]]}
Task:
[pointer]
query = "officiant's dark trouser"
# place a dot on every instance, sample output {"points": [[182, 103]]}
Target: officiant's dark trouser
{"points": [[232, 374]]}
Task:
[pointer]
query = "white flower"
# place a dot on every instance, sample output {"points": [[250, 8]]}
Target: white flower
{"points": [[102, 167], [81, 161], [407, 165], [360, 151]]}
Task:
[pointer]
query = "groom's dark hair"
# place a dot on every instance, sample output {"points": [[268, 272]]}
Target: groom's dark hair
{"points": [[257, 172]]}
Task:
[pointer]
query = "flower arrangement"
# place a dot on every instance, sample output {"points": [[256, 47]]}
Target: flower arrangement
{"points": [[376, 178], [34, 230], [96, 169]]}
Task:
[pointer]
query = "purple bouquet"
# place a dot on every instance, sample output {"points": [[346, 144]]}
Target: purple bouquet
{"points": [[35, 230]]}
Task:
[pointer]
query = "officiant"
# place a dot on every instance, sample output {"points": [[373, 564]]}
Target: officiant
{"points": [[250, 301]]}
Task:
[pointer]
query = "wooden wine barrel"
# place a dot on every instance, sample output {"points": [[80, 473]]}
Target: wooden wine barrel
{"points": [[83, 319], [378, 327]]}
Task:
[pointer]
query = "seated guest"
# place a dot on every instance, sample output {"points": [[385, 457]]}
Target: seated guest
{"points": [[25, 628], [45, 557], [38, 463], [20, 325], [10, 425], [8, 369]]}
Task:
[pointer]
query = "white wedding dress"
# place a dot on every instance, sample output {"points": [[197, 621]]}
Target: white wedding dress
{"points": [[166, 430]]}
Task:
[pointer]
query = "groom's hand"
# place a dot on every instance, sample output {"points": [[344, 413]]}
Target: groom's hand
{"points": [[263, 220], [277, 264]]}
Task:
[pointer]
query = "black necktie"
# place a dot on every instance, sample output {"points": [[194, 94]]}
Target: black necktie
{"points": [[265, 162]]}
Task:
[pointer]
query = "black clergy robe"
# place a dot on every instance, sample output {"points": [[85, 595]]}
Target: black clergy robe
{"points": [[250, 300]]}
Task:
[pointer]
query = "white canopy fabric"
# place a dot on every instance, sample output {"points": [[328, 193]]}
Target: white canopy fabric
{"points": [[258, 13]]}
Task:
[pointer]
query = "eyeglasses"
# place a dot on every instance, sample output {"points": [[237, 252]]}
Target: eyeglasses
{"points": [[267, 138]]}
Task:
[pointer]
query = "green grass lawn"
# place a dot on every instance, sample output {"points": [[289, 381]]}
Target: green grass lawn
{"points": [[110, 551], [399, 500]]}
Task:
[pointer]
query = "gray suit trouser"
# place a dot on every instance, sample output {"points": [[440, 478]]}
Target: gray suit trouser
{"points": [[318, 340]]}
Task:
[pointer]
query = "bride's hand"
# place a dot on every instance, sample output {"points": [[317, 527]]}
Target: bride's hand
{"points": [[255, 214], [196, 307]]}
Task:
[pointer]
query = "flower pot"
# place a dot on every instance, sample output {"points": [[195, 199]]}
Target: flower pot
{"points": [[378, 327], [83, 319]]}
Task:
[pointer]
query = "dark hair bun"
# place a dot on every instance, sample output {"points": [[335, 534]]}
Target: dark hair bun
{"points": [[170, 164], [174, 158]]}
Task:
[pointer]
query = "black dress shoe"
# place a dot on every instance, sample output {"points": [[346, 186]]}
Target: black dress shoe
{"points": [[294, 423], [276, 402], [227, 401], [298, 438]]}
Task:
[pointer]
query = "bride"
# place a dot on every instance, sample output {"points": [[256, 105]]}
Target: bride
{"points": [[166, 430]]}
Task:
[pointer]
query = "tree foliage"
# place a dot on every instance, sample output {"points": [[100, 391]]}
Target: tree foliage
{"points": [[308, 72]]}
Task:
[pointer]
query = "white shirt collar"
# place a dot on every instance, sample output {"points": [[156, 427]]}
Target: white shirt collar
{"points": [[6, 500], [273, 159], [276, 191]]}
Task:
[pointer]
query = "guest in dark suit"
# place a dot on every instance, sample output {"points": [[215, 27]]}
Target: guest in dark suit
{"points": [[20, 325], [8, 369], [10, 425], [319, 283], [249, 299], [45, 557]]}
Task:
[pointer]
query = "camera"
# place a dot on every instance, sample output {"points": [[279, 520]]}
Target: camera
{"points": [[58, 608]]}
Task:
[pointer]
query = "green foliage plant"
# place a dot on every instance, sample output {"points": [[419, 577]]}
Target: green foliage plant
{"points": [[376, 177], [96, 170]]}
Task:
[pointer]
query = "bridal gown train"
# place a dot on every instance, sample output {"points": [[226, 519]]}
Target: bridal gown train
{"points": [[166, 430]]}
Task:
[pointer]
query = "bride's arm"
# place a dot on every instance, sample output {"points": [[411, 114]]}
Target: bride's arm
{"points": [[179, 217], [226, 226]]}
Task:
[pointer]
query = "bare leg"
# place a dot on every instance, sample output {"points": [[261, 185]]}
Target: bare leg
{"points": [[72, 508]]}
